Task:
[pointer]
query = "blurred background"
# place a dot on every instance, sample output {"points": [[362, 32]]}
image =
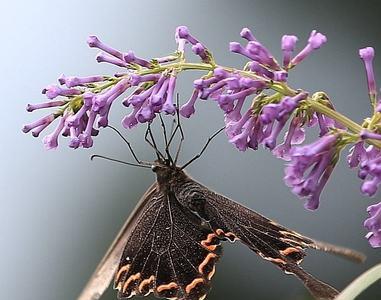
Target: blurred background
{"points": [[60, 211]]}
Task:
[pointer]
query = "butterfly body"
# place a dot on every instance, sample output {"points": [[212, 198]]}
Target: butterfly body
{"points": [[177, 239]]}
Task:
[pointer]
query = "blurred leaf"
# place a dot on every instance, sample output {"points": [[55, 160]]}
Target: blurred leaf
{"points": [[360, 284]]}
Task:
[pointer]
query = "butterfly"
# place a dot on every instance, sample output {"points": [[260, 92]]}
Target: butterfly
{"points": [[170, 244]]}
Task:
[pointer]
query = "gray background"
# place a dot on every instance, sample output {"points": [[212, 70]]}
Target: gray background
{"points": [[59, 211]]}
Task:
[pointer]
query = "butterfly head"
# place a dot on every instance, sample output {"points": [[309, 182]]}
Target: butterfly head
{"points": [[166, 171]]}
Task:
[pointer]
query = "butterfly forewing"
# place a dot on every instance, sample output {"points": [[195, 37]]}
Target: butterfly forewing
{"points": [[169, 252]]}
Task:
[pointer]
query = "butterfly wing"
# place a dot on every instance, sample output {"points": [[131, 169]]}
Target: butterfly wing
{"points": [[271, 241], [106, 269], [170, 252]]}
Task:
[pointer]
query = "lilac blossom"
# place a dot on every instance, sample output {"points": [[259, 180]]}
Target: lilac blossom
{"points": [[249, 130], [368, 159], [315, 41], [72, 81], [294, 136], [130, 57], [94, 42], [356, 154], [32, 107], [309, 169], [373, 224], [370, 170], [288, 47], [187, 109], [247, 34], [103, 57], [367, 56], [53, 91]]}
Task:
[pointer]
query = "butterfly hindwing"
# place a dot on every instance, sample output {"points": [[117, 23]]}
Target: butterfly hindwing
{"points": [[271, 241], [169, 252]]}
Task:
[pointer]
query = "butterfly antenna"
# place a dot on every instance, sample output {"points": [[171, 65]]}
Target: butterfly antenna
{"points": [[173, 125], [203, 148], [165, 138], [152, 143], [177, 127], [180, 128], [140, 162], [118, 161]]}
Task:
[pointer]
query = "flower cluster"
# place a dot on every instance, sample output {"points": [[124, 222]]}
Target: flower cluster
{"points": [[316, 159], [373, 224], [256, 100]]}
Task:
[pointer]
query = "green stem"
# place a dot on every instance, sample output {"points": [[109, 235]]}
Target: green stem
{"points": [[360, 284]]}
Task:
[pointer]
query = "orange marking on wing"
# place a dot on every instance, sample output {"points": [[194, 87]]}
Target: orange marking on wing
{"points": [[145, 282], [119, 286], [288, 251], [232, 236], [208, 240], [121, 271], [171, 285], [205, 262], [291, 233], [220, 231], [193, 284], [210, 275], [275, 260], [131, 279], [209, 247]]}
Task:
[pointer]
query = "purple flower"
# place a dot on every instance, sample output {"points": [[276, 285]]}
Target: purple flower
{"points": [[32, 107], [103, 57], [295, 135], [365, 134], [53, 91], [356, 154], [367, 56], [94, 42], [241, 140], [51, 141], [278, 111], [246, 34], [183, 33], [315, 41], [324, 123], [73, 81], [369, 161], [288, 47], [39, 125], [260, 70], [168, 106], [201, 51], [280, 76], [188, 108], [130, 57], [270, 140], [136, 79], [262, 54], [373, 224], [255, 51], [309, 169]]}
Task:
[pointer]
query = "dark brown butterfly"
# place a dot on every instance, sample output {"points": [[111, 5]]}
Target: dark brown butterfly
{"points": [[171, 242]]}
